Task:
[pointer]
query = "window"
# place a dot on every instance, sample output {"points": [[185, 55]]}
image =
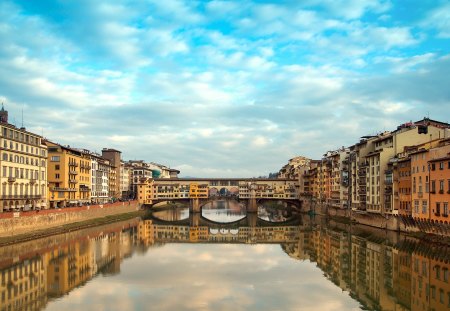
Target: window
{"points": [[55, 158], [57, 176], [424, 206], [445, 208], [433, 186], [57, 167], [441, 186], [441, 165], [416, 206], [5, 158]]}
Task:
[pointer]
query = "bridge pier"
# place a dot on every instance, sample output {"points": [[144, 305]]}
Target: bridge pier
{"points": [[194, 206], [252, 206], [194, 219], [252, 219]]}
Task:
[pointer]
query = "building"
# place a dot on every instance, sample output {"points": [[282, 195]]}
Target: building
{"points": [[100, 174], [23, 162], [69, 176], [125, 175], [138, 170], [113, 156], [439, 176], [423, 166]]}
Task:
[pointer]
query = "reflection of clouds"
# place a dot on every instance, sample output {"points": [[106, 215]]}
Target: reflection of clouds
{"points": [[210, 277]]}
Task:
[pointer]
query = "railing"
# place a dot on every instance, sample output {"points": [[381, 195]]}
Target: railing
{"points": [[11, 179], [73, 172], [73, 181], [73, 164], [32, 181]]}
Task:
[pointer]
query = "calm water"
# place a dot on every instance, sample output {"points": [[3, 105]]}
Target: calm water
{"points": [[225, 259]]}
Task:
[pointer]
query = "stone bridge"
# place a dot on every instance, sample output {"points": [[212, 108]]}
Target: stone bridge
{"points": [[200, 191]]}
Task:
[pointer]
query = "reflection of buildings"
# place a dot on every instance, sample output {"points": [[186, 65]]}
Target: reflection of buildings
{"points": [[23, 286], [28, 283], [150, 233], [412, 276]]}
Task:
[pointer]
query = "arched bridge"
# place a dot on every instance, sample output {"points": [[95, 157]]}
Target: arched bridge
{"points": [[199, 191]]}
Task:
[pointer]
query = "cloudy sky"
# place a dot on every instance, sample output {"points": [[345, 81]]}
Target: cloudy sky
{"points": [[222, 88]]}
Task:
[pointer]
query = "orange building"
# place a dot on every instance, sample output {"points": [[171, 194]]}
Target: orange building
{"points": [[440, 189], [403, 175]]}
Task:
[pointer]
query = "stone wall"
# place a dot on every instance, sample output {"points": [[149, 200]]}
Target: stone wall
{"points": [[388, 222], [24, 222]]}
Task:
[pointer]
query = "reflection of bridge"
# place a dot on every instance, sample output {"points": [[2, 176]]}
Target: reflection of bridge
{"points": [[197, 228], [198, 191]]}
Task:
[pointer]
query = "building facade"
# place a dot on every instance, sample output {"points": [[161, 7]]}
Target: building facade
{"points": [[23, 168], [69, 176]]}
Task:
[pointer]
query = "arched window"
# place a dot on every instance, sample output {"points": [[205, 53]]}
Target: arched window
{"points": [[21, 160], [16, 159]]}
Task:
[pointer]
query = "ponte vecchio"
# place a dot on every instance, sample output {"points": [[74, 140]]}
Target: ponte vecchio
{"points": [[199, 191]]}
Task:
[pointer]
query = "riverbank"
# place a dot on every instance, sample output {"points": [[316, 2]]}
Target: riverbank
{"points": [[14, 224], [71, 227], [395, 223]]}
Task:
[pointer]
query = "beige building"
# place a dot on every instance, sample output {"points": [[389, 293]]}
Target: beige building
{"points": [[371, 163], [23, 163], [125, 175]]}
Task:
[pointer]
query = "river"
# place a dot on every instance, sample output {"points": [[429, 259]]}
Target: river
{"points": [[226, 259]]}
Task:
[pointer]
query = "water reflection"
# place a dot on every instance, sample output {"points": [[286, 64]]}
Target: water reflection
{"points": [[224, 211], [215, 268], [172, 214]]}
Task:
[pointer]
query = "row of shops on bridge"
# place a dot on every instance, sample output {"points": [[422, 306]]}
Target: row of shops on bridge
{"points": [[154, 190]]}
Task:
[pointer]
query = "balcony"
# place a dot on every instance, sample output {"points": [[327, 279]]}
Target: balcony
{"points": [[62, 189], [84, 189], [73, 181], [74, 164], [11, 179], [33, 181], [420, 194], [73, 172]]}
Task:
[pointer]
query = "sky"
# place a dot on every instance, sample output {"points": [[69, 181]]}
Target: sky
{"points": [[222, 88]]}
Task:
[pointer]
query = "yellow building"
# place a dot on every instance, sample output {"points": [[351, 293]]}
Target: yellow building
{"points": [[145, 191], [69, 176], [23, 168]]}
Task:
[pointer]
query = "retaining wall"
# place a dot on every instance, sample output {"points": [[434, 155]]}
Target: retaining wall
{"points": [[24, 222], [388, 222]]}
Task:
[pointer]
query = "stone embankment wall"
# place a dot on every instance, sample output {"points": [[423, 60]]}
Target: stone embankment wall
{"points": [[29, 249], [388, 222], [23, 222]]}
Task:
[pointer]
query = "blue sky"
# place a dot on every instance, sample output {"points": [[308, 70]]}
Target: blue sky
{"points": [[222, 88]]}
